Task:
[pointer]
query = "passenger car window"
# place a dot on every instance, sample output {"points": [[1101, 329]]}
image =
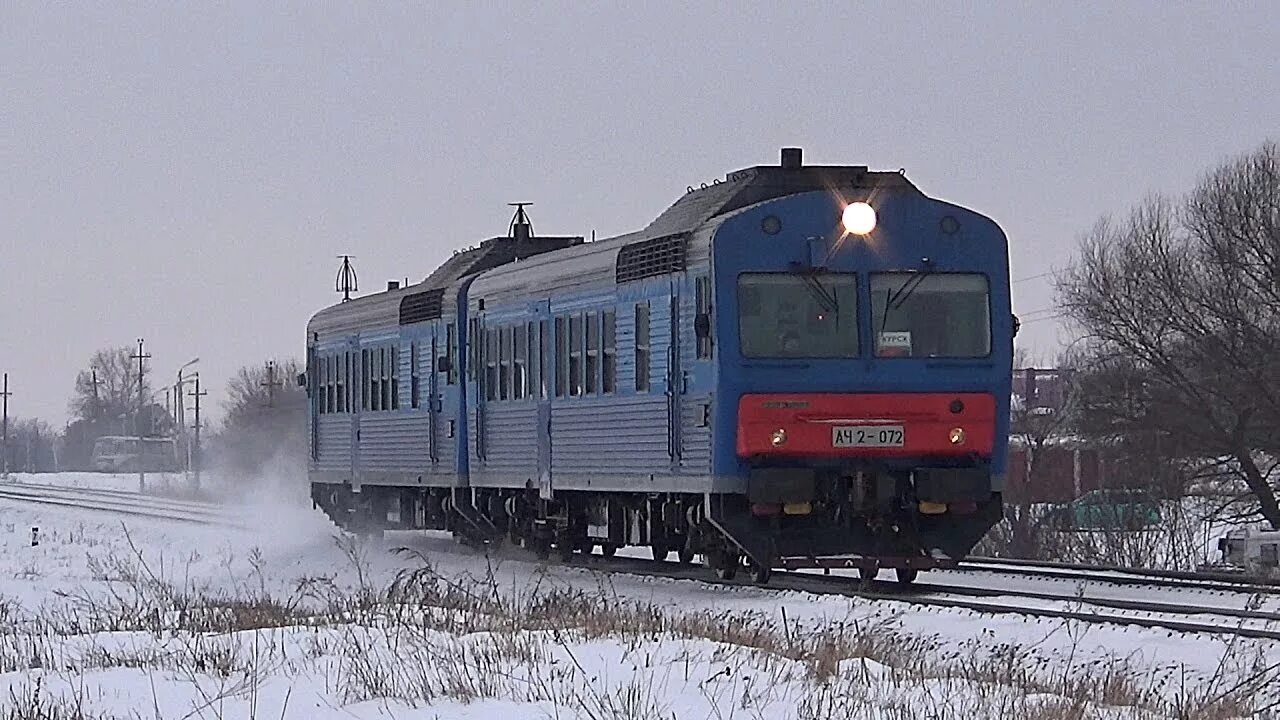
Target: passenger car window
{"points": [[788, 315], [642, 346], [935, 315], [575, 355]]}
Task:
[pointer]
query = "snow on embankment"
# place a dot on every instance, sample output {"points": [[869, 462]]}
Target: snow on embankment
{"points": [[290, 620]]}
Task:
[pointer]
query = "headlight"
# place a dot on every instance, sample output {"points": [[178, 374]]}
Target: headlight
{"points": [[779, 437], [859, 218], [957, 436]]}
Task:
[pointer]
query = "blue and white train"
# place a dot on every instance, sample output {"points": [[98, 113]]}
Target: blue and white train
{"points": [[797, 364]]}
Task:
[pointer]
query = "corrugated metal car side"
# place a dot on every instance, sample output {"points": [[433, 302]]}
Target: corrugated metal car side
{"points": [[335, 443], [394, 441], [695, 435], [610, 435], [510, 444]]}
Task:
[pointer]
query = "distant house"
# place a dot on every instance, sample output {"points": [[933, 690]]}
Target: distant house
{"points": [[1039, 389], [1047, 461]]}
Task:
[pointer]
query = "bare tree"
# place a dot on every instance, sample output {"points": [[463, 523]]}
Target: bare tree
{"points": [[1181, 303], [31, 446], [106, 392], [266, 418], [1113, 410]]}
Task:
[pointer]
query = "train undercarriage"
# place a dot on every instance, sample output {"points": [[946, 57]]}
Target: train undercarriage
{"points": [[864, 521]]}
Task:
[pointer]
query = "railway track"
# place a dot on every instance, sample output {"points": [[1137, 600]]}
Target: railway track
{"points": [[119, 502], [1178, 616], [1117, 575]]}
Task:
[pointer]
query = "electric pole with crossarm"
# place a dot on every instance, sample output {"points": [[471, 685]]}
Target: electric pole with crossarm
{"points": [[141, 357], [271, 384], [5, 394], [195, 456]]}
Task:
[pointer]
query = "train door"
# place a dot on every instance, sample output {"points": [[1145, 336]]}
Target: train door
{"points": [[480, 340], [357, 387], [675, 376], [445, 369], [540, 347], [313, 390], [433, 394]]}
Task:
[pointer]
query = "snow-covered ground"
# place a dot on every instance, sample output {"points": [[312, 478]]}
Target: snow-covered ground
{"points": [[155, 483], [149, 619]]}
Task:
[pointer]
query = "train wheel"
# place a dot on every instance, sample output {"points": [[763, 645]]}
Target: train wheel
{"points": [[660, 551], [608, 550], [725, 564], [541, 547], [729, 570], [906, 576], [564, 549], [867, 573], [686, 554], [761, 574], [566, 545]]}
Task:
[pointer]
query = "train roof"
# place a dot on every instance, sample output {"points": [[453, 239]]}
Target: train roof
{"points": [[698, 206], [698, 210], [768, 182], [386, 309]]}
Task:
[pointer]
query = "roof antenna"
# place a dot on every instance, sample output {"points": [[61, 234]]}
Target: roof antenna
{"points": [[521, 228], [346, 280]]}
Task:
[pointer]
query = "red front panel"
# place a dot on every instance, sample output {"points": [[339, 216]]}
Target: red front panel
{"points": [[865, 424]]}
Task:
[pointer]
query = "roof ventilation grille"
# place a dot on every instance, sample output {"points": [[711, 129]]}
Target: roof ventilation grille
{"points": [[422, 306], [650, 258]]}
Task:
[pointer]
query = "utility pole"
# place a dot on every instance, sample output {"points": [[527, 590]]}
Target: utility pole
{"points": [[271, 384], [97, 404], [141, 357], [197, 394], [6, 394], [180, 408]]}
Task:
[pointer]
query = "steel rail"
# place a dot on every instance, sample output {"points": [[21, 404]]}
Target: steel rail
{"points": [[1125, 575], [967, 598], [196, 517], [134, 501], [1175, 608], [158, 501]]}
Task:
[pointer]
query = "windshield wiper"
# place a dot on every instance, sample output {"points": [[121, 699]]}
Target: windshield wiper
{"points": [[895, 299], [820, 292]]}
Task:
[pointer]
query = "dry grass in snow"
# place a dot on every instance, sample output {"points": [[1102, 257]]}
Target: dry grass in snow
{"points": [[142, 643]]}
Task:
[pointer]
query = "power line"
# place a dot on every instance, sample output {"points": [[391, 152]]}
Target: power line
{"points": [[1035, 277], [1058, 316]]}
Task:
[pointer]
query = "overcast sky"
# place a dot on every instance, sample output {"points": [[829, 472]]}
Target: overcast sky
{"points": [[187, 174]]}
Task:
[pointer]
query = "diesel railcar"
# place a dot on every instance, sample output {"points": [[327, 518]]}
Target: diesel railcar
{"points": [[795, 364]]}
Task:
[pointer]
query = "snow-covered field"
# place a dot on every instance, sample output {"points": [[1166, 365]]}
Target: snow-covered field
{"points": [[136, 618]]}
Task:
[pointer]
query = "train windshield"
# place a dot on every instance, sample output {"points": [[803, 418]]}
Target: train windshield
{"points": [[791, 315], [937, 315]]}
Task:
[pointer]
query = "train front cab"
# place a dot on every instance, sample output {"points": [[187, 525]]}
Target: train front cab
{"points": [[863, 381]]}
